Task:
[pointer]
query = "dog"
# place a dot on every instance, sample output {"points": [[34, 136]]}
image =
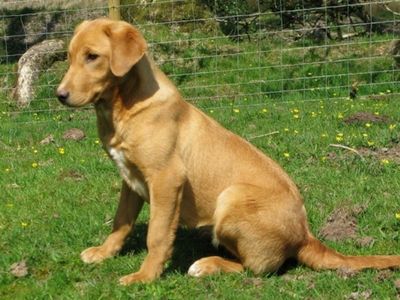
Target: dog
{"points": [[187, 167]]}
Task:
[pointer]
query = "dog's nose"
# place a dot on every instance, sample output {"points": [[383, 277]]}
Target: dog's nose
{"points": [[62, 95]]}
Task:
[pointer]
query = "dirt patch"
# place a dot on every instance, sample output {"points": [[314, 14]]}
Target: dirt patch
{"points": [[367, 294], [365, 117], [19, 269], [342, 224], [71, 175], [391, 154], [347, 273], [74, 134]]}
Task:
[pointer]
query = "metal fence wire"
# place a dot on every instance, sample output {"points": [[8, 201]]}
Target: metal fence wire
{"points": [[248, 52]]}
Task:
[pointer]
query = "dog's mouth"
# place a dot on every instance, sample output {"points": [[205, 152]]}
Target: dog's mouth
{"points": [[72, 100]]}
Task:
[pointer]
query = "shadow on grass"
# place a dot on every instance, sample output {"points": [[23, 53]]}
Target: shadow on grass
{"points": [[190, 245]]}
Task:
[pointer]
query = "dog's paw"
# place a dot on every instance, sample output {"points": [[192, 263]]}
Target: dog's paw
{"points": [[202, 268], [94, 255], [138, 277]]}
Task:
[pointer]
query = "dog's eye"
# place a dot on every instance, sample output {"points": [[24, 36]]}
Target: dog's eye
{"points": [[91, 57]]}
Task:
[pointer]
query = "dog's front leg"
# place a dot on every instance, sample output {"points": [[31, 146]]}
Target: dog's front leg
{"points": [[165, 198], [128, 210]]}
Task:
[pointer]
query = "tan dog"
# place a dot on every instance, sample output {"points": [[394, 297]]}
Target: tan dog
{"points": [[188, 168]]}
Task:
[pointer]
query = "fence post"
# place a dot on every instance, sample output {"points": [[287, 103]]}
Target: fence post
{"points": [[114, 9]]}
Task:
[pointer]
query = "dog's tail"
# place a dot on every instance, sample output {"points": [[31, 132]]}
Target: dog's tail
{"points": [[317, 256]]}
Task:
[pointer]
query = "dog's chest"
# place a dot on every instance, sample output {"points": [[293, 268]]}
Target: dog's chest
{"points": [[127, 172]]}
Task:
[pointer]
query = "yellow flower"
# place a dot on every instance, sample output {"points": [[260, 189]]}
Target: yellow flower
{"points": [[340, 134], [286, 129], [61, 150], [376, 113], [295, 132], [296, 116], [340, 116], [264, 110], [24, 224], [324, 135], [296, 111], [385, 161], [313, 114], [286, 154], [368, 125], [211, 111], [398, 215], [96, 141], [35, 165], [339, 138], [236, 110], [7, 170], [370, 143], [392, 126], [365, 135]]}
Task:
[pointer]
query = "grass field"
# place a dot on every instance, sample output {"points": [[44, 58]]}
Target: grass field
{"points": [[58, 199]]}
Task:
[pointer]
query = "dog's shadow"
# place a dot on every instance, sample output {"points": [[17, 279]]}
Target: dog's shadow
{"points": [[189, 246]]}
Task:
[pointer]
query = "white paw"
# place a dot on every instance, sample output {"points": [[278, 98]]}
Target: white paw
{"points": [[195, 270], [93, 255]]}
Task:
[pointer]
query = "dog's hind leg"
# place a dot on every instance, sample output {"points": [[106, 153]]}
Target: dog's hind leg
{"points": [[129, 207], [261, 228]]}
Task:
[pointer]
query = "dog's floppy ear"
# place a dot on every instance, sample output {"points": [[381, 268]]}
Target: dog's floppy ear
{"points": [[127, 47]]}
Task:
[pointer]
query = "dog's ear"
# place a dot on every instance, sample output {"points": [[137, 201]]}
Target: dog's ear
{"points": [[127, 47]]}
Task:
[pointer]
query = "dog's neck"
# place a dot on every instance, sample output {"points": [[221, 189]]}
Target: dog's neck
{"points": [[128, 96]]}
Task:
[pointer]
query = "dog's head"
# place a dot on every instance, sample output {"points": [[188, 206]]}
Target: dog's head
{"points": [[100, 53]]}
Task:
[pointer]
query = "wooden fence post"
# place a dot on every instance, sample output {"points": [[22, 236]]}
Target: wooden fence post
{"points": [[114, 9]]}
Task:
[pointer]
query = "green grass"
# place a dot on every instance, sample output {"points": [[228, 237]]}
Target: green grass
{"points": [[53, 205]]}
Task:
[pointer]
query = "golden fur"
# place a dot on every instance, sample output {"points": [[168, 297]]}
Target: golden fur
{"points": [[188, 168]]}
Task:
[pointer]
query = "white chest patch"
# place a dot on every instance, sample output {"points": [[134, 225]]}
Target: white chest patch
{"points": [[133, 181]]}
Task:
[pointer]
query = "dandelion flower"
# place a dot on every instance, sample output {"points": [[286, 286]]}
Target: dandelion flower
{"points": [[368, 125], [340, 116], [370, 143], [24, 224], [385, 161], [286, 129], [211, 111], [339, 138], [286, 154], [398, 215], [365, 135], [264, 110], [392, 126], [236, 110], [61, 150], [7, 170], [296, 116], [324, 135], [96, 141], [35, 165]]}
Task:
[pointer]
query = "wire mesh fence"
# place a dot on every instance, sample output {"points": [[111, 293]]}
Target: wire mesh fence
{"points": [[243, 52]]}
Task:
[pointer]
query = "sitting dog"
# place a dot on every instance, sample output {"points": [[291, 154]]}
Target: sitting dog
{"points": [[189, 169]]}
